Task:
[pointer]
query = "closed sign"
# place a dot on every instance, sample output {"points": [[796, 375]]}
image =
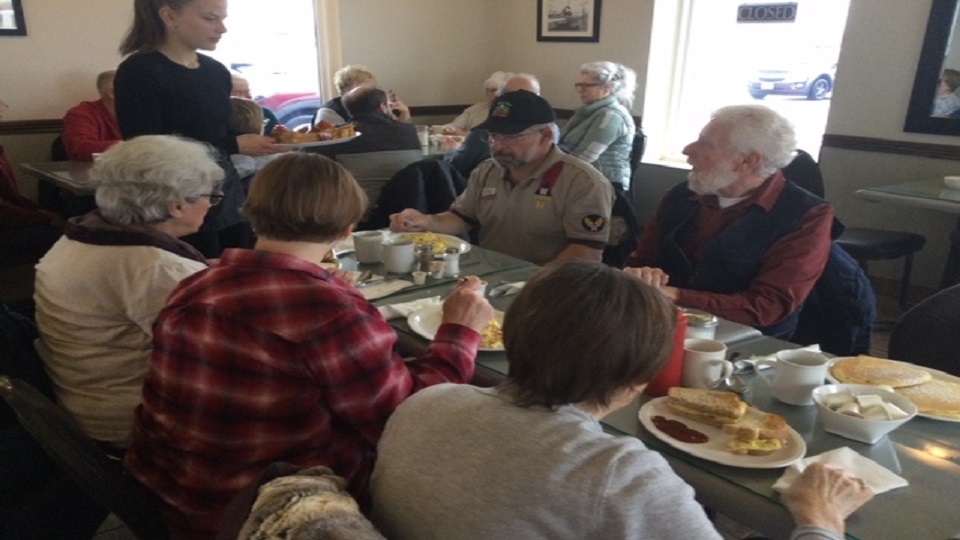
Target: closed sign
{"points": [[767, 12]]}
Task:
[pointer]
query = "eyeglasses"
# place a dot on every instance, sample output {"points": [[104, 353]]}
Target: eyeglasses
{"points": [[214, 196], [491, 138], [582, 85]]}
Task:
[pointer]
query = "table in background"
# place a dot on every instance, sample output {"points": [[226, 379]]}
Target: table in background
{"points": [[72, 176], [931, 195]]}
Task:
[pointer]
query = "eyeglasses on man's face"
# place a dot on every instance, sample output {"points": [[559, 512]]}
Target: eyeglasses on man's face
{"points": [[214, 196], [584, 85], [502, 138]]}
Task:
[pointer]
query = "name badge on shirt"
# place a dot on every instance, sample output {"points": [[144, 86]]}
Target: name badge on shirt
{"points": [[488, 193]]}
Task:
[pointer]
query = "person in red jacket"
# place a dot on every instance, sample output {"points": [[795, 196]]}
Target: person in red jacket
{"points": [[90, 127]]}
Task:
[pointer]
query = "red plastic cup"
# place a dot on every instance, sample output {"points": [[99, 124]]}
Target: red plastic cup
{"points": [[672, 372]]}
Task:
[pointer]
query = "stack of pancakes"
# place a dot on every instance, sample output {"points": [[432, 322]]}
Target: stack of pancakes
{"points": [[931, 396]]}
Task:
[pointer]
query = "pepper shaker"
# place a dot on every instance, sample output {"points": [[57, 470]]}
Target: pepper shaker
{"points": [[451, 262], [424, 255]]}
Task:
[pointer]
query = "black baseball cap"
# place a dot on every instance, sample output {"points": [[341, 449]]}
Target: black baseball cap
{"points": [[514, 112]]}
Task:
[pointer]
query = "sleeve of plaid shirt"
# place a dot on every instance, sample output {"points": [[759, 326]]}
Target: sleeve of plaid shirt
{"points": [[365, 379]]}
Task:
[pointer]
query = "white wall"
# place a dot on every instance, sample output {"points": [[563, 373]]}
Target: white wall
{"points": [[875, 76]]}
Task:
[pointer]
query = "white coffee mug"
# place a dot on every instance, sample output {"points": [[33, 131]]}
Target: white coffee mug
{"points": [[704, 363], [797, 373], [398, 256], [368, 246]]}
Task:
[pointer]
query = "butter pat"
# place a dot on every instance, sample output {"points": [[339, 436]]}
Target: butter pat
{"points": [[869, 400]]}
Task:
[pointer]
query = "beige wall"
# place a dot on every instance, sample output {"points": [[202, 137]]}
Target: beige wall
{"points": [[439, 51]]}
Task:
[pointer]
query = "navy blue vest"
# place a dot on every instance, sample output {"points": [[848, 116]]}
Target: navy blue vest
{"points": [[731, 260]]}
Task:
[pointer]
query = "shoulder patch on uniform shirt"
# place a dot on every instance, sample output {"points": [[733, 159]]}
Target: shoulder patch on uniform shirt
{"points": [[593, 223]]}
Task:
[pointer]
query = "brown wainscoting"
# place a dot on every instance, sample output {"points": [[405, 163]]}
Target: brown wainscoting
{"points": [[888, 146], [28, 127]]}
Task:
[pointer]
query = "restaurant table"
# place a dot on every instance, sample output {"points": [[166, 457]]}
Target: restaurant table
{"points": [[931, 195], [926, 452], [72, 176]]}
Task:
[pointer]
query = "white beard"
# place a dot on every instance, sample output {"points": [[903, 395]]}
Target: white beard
{"points": [[710, 182]]}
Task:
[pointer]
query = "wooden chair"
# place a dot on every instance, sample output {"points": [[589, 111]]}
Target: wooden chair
{"points": [[374, 169], [83, 460]]}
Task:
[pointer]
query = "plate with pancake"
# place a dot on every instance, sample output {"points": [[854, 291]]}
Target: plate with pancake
{"points": [[426, 322], [715, 448], [310, 144], [935, 393]]}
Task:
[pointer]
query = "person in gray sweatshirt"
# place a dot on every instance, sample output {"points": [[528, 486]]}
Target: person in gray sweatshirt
{"points": [[529, 459]]}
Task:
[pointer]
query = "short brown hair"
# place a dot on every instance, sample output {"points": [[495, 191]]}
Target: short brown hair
{"points": [[304, 197], [579, 331], [246, 115]]}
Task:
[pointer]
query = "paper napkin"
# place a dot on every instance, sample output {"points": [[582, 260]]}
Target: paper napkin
{"points": [[383, 288], [405, 309], [874, 475]]}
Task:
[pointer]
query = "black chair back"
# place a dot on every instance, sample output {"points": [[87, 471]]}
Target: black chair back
{"points": [[636, 152], [927, 335], [805, 172], [83, 460]]}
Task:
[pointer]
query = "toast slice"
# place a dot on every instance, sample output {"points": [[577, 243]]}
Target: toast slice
{"points": [[766, 426], [713, 407]]}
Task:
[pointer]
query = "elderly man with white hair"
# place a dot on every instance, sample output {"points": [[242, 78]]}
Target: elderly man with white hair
{"points": [[475, 114], [737, 239], [100, 287]]}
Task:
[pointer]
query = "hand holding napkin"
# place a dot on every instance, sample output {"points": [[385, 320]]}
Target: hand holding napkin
{"points": [[874, 475], [405, 309]]}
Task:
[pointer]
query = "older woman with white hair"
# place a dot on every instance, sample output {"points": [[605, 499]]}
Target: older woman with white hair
{"points": [[475, 114], [100, 287], [601, 132]]}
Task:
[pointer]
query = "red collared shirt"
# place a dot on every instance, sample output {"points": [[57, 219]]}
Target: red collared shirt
{"points": [[788, 270], [89, 128], [267, 357]]}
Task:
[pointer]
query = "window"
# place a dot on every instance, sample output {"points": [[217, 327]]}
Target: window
{"points": [[702, 59], [275, 48]]}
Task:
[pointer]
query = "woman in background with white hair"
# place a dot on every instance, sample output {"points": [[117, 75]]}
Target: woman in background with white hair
{"points": [[601, 132], [100, 287], [475, 114]]}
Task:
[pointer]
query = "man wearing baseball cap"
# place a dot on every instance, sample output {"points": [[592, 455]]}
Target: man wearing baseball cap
{"points": [[530, 200]]}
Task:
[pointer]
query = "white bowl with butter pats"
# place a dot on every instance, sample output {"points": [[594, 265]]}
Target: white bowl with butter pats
{"points": [[867, 430]]}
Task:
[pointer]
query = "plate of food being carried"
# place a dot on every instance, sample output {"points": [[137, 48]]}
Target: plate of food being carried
{"points": [[322, 134], [935, 393], [717, 426]]}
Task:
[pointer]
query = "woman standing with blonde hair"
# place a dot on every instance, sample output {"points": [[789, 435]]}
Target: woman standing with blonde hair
{"points": [[166, 87], [601, 132]]}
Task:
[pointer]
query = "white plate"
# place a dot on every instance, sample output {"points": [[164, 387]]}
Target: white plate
{"points": [[937, 374], [451, 241], [715, 449], [426, 322], [319, 143]]}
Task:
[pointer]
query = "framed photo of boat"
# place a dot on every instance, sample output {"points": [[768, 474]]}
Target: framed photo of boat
{"points": [[568, 20]]}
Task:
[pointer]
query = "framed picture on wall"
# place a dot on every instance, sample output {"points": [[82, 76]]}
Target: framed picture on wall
{"points": [[11, 18], [568, 20]]}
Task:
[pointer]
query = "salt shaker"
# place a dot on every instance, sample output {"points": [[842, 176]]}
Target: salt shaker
{"points": [[701, 324], [451, 261], [424, 256]]}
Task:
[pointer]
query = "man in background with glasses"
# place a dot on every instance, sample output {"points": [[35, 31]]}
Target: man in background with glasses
{"points": [[530, 200]]}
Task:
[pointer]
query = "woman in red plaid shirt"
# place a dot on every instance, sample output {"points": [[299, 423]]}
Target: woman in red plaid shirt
{"points": [[268, 357]]}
